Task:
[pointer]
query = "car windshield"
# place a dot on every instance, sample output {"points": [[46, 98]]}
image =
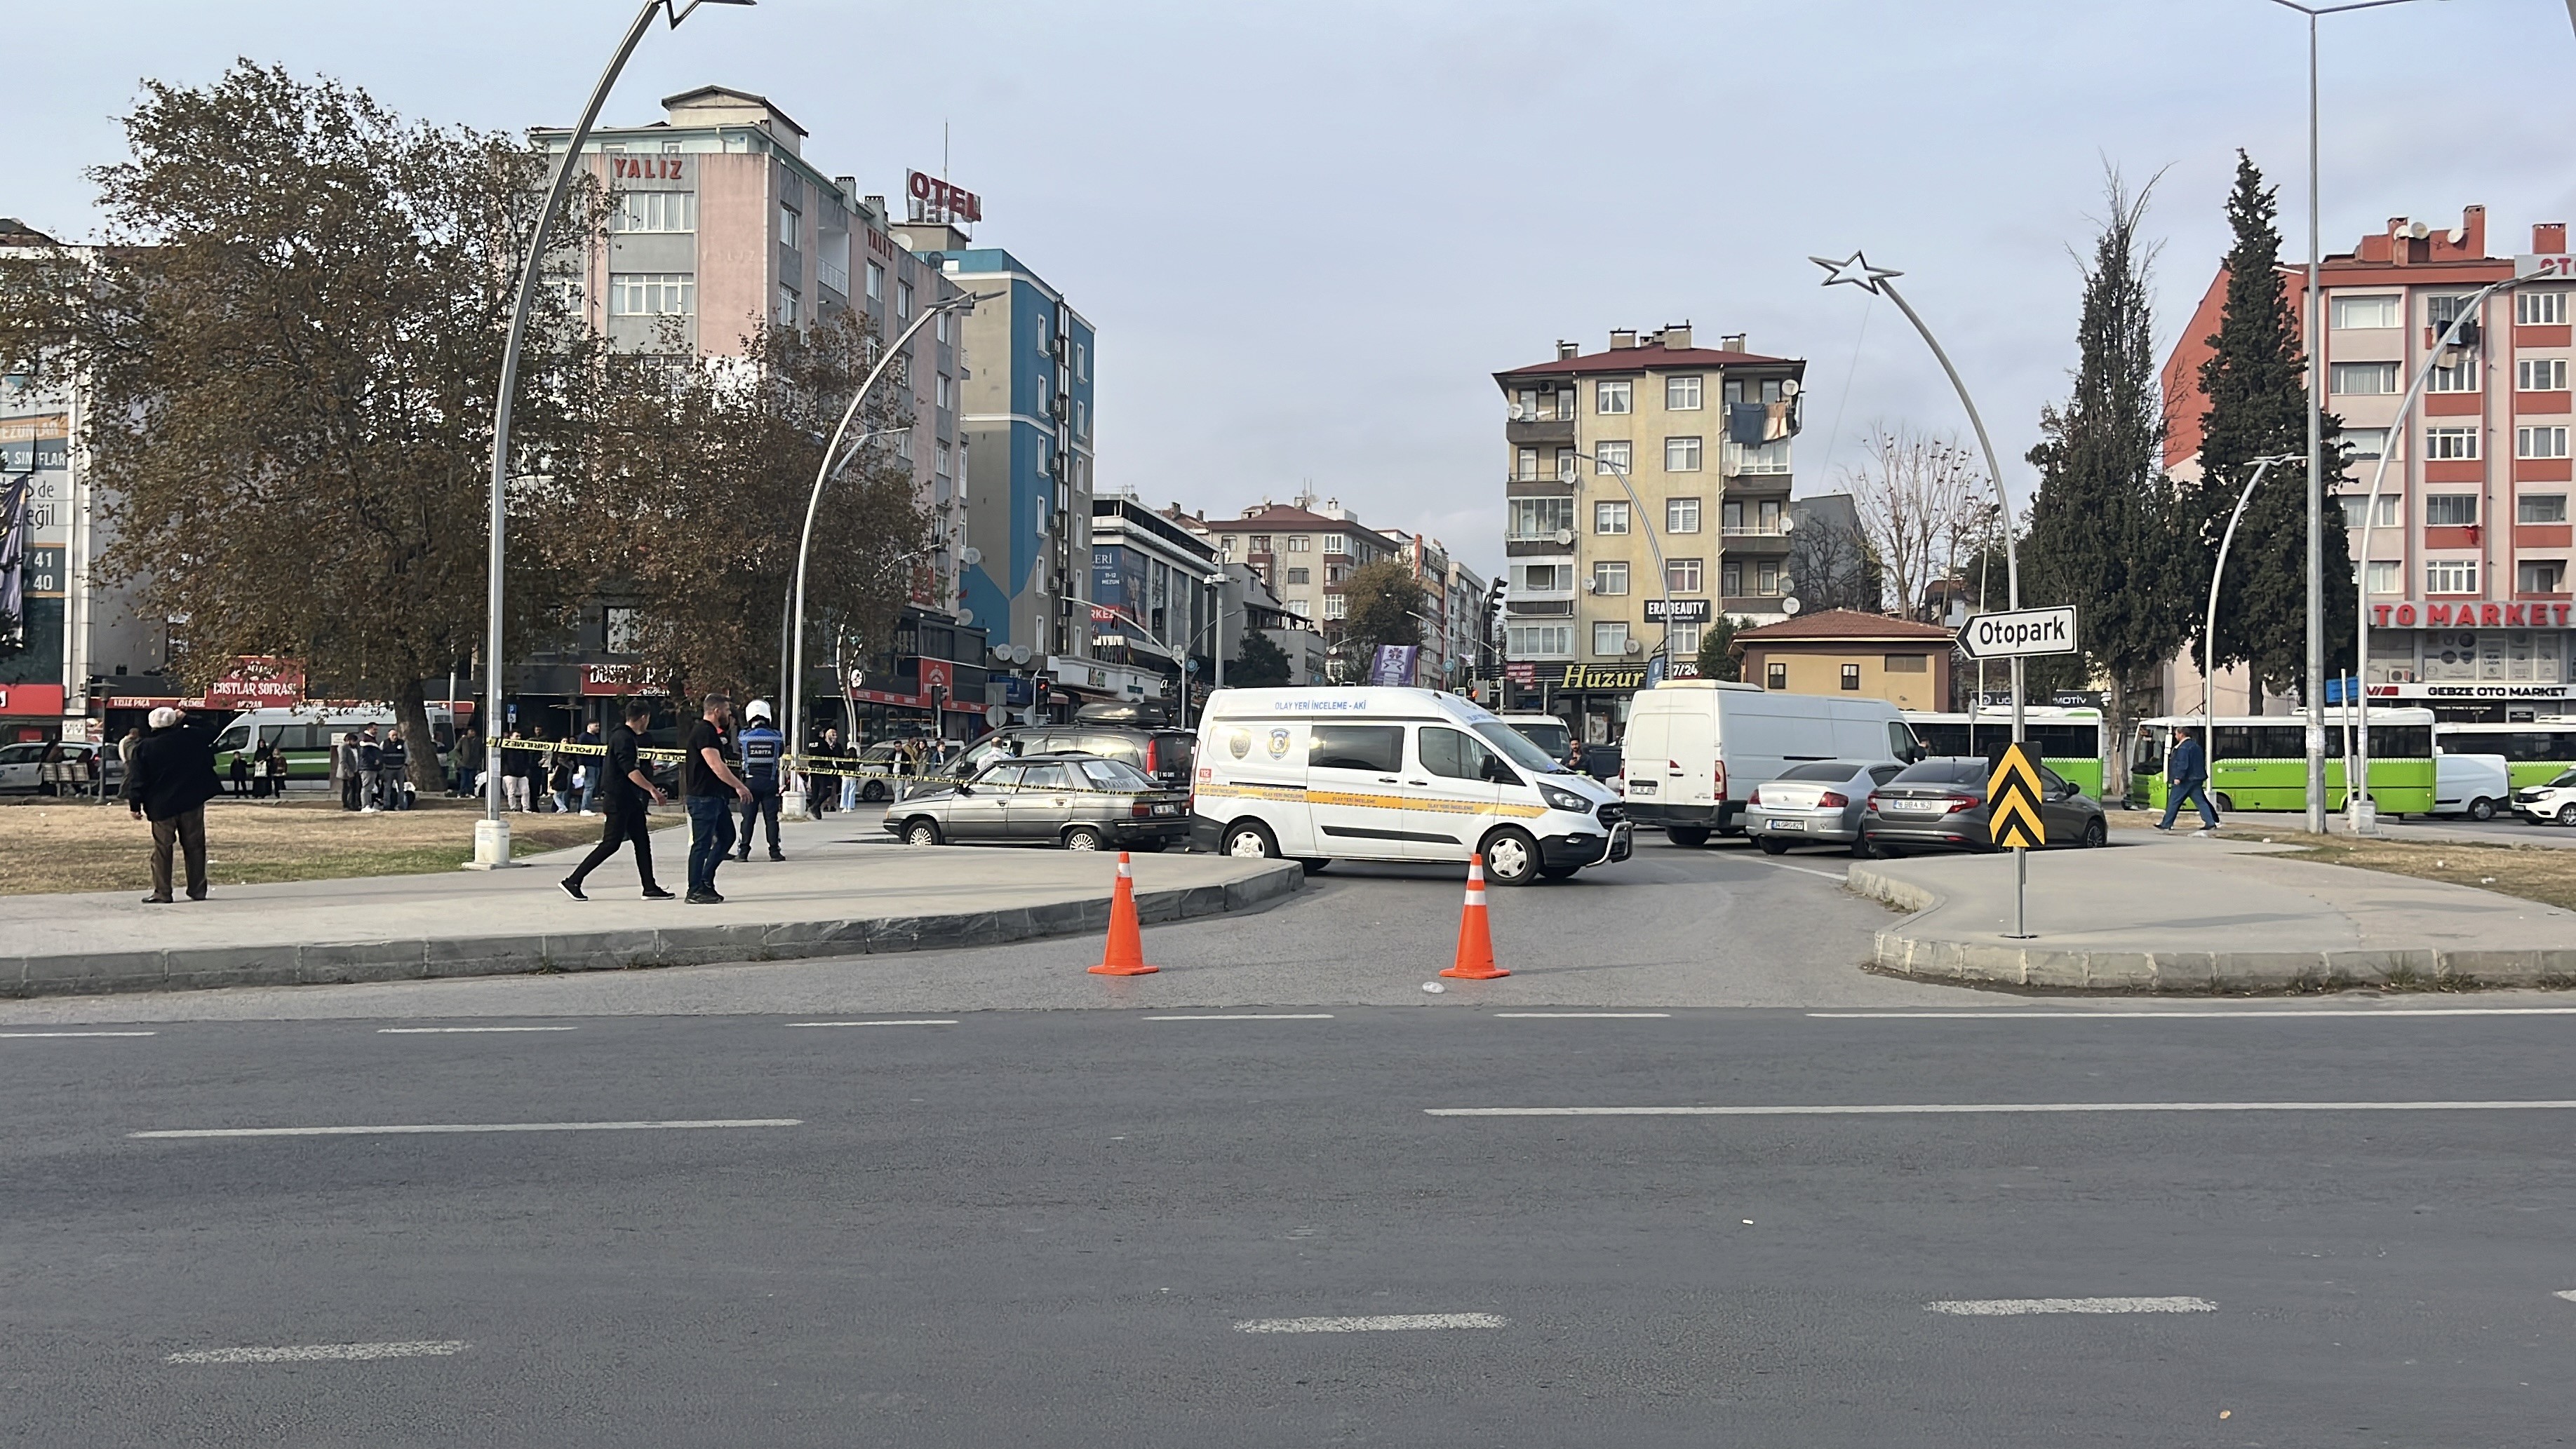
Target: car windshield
{"points": [[1116, 775], [2565, 779], [1514, 746], [1943, 772], [1823, 770]]}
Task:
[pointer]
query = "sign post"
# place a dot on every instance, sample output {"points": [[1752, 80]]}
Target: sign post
{"points": [[2012, 791]]}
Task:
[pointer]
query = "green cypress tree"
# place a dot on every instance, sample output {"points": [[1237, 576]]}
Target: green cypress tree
{"points": [[2256, 386]]}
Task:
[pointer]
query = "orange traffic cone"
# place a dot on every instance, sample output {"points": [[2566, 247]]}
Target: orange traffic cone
{"points": [[1475, 941], [1126, 954]]}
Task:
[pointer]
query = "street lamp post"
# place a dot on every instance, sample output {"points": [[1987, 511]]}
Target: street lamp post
{"points": [[2209, 631], [787, 595], [492, 832], [2316, 733], [1653, 546], [793, 802]]}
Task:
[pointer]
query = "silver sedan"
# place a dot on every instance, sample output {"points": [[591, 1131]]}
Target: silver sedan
{"points": [[1818, 803]]}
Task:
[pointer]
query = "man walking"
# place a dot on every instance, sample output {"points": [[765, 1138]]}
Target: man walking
{"points": [[710, 787], [2187, 778], [625, 790], [760, 747], [171, 778]]}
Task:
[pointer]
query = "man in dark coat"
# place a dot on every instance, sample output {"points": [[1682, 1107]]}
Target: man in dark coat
{"points": [[169, 782]]}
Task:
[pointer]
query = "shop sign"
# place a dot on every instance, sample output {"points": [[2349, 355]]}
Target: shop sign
{"points": [[2469, 691], [648, 168], [1522, 673], [31, 699], [258, 681], [614, 679], [2468, 614], [1601, 676], [1677, 611]]}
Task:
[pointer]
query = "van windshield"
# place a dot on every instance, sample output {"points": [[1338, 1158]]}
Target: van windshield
{"points": [[1516, 747], [1551, 739]]}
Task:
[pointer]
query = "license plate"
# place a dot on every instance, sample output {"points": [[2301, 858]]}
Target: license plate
{"points": [[1641, 787], [1167, 809], [1799, 825], [1912, 807]]}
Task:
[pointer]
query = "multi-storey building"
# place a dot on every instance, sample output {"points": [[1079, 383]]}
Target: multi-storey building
{"points": [[1702, 437], [721, 224], [1452, 600], [1151, 602], [1304, 550], [2467, 578]]}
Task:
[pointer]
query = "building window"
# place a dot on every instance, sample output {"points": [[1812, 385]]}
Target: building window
{"points": [[2540, 309], [939, 326], [903, 301], [625, 629], [876, 282], [2541, 576], [2366, 442], [1766, 579], [1334, 573], [1260, 544], [1081, 362], [2355, 504], [2451, 444], [655, 211], [790, 226], [1610, 637], [2540, 374], [1609, 518], [1609, 577], [2361, 379], [1300, 543], [939, 461], [1681, 394], [789, 311], [2451, 576], [1567, 469], [1541, 578], [1681, 455], [2541, 508], [1851, 677], [1775, 676], [2383, 576], [1334, 543], [2450, 510], [2378, 311], [1525, 641], [1612, 398], [1540, 519], [1771, 457], [1337, 606], [946, 396], [652, 294], [1730, 580], [1612, 455], [1301, 576], [1527, 469], [1685, 641], [2540, 442], [2441, 310], [1681, 575], [2463, 378], [1907, 663], [1681, 515]]}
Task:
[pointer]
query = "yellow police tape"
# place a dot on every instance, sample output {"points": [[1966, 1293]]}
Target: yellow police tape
{"points": [[802, 765]]}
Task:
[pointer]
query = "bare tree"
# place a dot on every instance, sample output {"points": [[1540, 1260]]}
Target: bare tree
{"points": [[1831, 562], [1920, 497]]}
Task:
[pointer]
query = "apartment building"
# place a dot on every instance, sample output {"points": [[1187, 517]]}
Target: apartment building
{"points": [[1152, 606], [2467, 576], [721, 224], [1703, 437], [1303, 550]]}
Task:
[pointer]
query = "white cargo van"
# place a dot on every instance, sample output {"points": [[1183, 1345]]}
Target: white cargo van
{"points": [[1392, 774], [2473, 785], [1697, 747]]}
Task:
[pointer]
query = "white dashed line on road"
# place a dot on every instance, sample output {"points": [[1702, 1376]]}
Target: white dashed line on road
{"points": [[1582, 1015], [1381, 1323], [2282, 1013], [1250, 1016], [2012, 1307], [427, 1128], [461, 1030], [2567, 1293], [323, 1352], [906, 1021], [1838, 877], [1948, 1109], [16, 1035]]}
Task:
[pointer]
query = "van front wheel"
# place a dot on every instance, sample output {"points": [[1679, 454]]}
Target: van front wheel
{"points": [[1511, 858]]}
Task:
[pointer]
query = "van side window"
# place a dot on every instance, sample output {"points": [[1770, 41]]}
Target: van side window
{"points": [[1355, 747], [1452, 754]]}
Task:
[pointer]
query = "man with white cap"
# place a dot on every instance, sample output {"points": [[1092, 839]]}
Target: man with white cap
{"points": [[168, 782]]}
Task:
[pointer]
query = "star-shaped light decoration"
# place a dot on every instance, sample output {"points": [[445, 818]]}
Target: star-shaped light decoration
{"points": [[1854, 270]]}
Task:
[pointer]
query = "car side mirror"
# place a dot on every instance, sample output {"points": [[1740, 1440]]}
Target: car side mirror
{"points": [[964, 788]]}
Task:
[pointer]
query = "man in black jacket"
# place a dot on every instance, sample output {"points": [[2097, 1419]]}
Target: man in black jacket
{"points": [[171, 778], [625, 789]]}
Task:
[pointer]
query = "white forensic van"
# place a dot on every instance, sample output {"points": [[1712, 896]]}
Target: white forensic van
{"points": [[1697, 747], [1392, 774]]}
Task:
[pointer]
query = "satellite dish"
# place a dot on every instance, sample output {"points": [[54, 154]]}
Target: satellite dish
{"points": [[1790, 605], [965, 616], [970, 556], [1022, 654], [1789, 387]]}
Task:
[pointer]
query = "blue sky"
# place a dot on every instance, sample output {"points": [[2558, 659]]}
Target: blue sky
{"points": [[1309, 232]]}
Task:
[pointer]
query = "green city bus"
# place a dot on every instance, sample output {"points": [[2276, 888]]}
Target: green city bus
{"points": [[2535, 752], [2261, 762], [2073, 742]]}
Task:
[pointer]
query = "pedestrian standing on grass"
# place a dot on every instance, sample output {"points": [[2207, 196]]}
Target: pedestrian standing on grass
{"points": [[168, 782], [240, 773], [467, 757], [259, 771], [2187, 778], [531, 766], [393, 763], [277, 769], [626, 792], [710, 787], [759, 748]]}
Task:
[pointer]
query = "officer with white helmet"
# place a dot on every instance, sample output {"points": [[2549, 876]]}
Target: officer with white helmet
{"points": [[761, 749]]}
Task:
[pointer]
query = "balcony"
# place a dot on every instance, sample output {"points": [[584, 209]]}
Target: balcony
{"points": [[1532, 432]]}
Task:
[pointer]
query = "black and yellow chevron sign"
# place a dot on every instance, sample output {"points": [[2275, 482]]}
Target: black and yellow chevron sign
{"points": [[2012, 801]]}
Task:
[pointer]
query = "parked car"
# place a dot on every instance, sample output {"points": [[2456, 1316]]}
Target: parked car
{"points": [[1819, 803], [1694, 745], [1164, 754], [1078, 801], [896, 757], [1940, 804], [2554, 802], [50, 767]]}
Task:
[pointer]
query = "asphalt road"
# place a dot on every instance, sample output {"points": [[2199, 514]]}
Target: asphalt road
{"points": [[1051, 1228]]}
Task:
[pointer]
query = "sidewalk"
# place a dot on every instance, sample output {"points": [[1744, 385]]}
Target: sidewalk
{"points": [[844, 890], [2194, 915]]}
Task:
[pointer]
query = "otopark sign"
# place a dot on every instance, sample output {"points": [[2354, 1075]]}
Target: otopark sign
{"points": [[2019, 633]]}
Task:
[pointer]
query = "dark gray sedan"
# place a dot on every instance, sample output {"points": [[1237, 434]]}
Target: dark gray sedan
{"points": [[1080, 802], [1940, 804]]}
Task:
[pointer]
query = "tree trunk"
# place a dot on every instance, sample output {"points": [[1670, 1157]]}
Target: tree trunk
{"points": [[2115, 747], [421, 758]]}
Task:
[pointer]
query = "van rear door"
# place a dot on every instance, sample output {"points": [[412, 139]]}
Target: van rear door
{"points": [[1355, 791]]}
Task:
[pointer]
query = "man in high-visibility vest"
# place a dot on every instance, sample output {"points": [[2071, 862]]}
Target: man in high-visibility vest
{"points": [[760, 748]]}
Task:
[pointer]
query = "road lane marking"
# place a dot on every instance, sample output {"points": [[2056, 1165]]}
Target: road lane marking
{"points": [[2567, 1293], [15, 1035], [1582, 1015], [316, 1352], [1380, 1323], [906, 1021], [1941, 1109], [1251, 1016], [1837, 876], [454, 1030], [2010, 1307], [2282, 1013], [417, 1129]]}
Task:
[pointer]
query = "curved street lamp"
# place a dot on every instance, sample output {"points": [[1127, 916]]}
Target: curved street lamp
{"points": [[492, 832], [2209, 632], [1620, 472]]}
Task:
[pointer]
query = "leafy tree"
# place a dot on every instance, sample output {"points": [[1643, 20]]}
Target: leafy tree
{"points": [[2106, 531], [2255, 381], [1718, 658], [1383, 597], [1261, 664], [293, 340]]}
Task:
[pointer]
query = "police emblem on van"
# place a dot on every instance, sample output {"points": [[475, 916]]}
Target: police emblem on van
{"points": [[1279, 744], [1239, 744]]}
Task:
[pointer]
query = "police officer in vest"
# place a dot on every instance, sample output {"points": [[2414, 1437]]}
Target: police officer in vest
{"points": [[761, 745]]}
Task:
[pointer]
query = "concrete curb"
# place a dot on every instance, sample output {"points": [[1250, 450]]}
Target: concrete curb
{"points": [[419, 959], [1911, 949]]}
